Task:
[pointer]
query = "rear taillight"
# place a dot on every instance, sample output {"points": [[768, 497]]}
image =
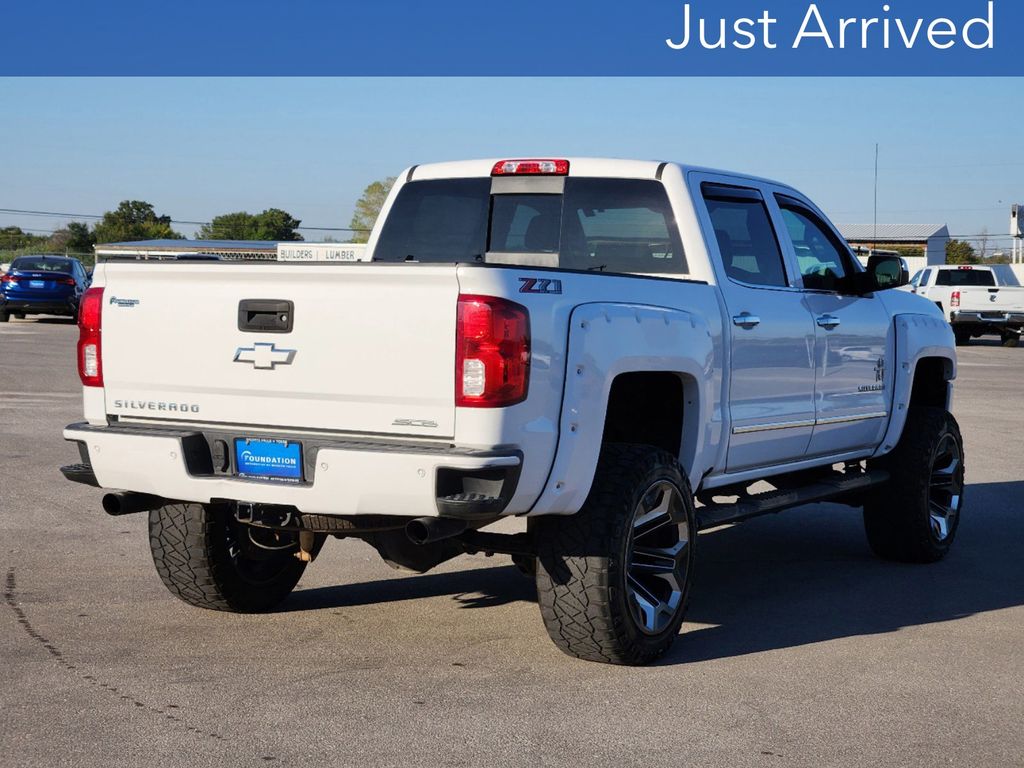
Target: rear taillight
{"points": [[954, 300], [66, 281], [90, 349], [492, 352], [9, 279]]}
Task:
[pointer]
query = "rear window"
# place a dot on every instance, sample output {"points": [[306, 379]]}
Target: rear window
{"points": [[41, 265], [965, 277], [610, 225]]}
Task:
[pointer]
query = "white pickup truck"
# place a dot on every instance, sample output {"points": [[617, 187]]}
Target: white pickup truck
{"points": [[616, 351], [975, 301]]}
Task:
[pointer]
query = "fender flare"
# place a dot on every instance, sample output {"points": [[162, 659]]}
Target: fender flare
{"points": [[917, 337], [606, 340]]}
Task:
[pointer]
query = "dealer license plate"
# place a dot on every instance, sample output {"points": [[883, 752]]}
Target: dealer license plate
{"points": [[268, 459]]}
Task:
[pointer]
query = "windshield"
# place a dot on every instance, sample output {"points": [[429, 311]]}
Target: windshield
{"points": [[41, 265], [610, 225], [965, 277]]}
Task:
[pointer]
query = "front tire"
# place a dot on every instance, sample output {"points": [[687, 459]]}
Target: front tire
{"points": [[915, 516], [613, 580], [208, 560]]}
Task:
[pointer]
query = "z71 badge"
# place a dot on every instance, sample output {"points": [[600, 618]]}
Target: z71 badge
{"points": [[538, 285]]}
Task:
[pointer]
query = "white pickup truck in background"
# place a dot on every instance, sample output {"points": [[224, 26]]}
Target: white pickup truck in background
{"points": [[975, 301], [617, 351]]}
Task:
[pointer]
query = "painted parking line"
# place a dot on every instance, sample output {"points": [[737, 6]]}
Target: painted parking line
{"points": [[33, 395]]}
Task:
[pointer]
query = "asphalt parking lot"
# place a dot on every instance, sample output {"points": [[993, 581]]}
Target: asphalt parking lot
{"points": [[800, 648]]}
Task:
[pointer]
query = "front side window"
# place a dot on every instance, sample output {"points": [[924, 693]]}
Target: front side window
{"points": [[823, 262], [916, 279], [746, 239]]}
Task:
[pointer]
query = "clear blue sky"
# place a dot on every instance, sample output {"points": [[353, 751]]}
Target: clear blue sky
{"points": [[952, 151]]}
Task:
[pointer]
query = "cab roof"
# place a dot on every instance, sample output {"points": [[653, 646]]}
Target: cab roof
{"points": [[603, 167]]}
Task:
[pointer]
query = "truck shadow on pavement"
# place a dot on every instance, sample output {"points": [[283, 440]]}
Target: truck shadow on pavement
{"points": [[803, 576], [478, 588], [808, 576]]}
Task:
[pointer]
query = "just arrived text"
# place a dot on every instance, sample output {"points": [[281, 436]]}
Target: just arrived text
{"points": [[881, 31]]}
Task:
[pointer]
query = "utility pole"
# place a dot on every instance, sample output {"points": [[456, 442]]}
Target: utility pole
{"points": [[874, 243]]}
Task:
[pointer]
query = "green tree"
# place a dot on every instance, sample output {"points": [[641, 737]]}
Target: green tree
{"points": [[15, 238], [275, 224], [368, 208], [960, 252], [133, 220], [74, 238], [271, 224]]}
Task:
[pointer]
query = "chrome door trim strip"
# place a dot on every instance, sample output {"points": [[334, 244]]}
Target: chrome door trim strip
{"points": [[808, 423], [772, 427], [849, 419]]}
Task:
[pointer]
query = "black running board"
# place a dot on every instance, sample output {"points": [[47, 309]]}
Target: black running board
{"points": [[775, 501]]}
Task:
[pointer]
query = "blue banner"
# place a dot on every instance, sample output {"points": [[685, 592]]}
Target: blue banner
{"points": [[520, 38]]}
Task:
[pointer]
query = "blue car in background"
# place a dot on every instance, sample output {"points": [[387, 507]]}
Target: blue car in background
{"points": [[42, 285]]}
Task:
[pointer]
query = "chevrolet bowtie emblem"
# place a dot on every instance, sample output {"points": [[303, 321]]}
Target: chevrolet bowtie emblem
{"points": [[264, 356]]}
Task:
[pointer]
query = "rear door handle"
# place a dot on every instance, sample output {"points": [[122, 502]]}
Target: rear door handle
{"points": [[828, 322], [746, 320]]}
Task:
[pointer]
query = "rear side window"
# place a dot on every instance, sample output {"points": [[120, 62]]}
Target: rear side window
{"points": [[437, 221], [746, 239], [965, 278]]}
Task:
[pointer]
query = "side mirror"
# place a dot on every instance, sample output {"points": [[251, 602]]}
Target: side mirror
{"points": [[885, 272]]}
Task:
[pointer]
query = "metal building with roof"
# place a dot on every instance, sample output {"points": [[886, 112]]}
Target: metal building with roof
{"points": [[233, 250], [930, 238]]}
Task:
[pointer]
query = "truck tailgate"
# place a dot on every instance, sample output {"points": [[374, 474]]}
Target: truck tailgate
{"points": [[371, 348], [1002, 299]]}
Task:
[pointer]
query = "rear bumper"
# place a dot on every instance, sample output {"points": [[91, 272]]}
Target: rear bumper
{"points": [[980, 317], [342, 477], [47, 306]]}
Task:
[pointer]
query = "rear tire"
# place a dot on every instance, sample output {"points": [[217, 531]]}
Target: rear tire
{"points": [[208, 560], [3, 317], [613, 580], [915, 516], [963, 337], [1011, 340]]}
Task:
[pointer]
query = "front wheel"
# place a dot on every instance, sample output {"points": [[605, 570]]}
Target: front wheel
{"points": [[209, 560], [914, 517], [613, 580]]}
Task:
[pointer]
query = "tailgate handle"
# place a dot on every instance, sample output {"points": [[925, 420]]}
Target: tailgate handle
{"points": [[265, 315]]}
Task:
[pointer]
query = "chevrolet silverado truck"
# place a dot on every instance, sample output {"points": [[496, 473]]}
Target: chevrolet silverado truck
{"points": [[621, 353], [974, 300]]}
